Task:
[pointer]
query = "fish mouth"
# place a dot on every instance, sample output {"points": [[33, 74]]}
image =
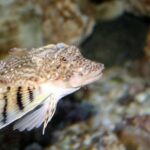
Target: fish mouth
{"points": [[92, 78]]}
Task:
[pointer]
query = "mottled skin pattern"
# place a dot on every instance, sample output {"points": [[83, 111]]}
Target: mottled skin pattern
{"points": [[52, 62]]}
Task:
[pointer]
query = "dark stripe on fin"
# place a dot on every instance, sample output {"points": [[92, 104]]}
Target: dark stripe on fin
{"points": [[31, 98], [4, 113], [19, 98]]}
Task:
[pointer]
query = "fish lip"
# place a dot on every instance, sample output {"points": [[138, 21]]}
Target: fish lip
{"points": [[93, 79]]}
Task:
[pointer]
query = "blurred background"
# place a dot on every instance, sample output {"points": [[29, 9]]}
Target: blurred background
{"points": [[112, 114]]}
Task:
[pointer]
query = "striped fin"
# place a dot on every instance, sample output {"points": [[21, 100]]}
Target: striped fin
{"points": [[18, 101], [35, 119]]}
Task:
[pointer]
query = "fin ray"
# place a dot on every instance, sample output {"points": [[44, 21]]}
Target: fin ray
{"points": [[38, 116]]}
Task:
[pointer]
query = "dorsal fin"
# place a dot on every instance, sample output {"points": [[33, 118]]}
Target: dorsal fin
{"points": [[18, 52]]}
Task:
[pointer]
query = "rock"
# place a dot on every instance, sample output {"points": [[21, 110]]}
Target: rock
{"points": [[36, 23], [139, 7], [142, 122], [84, 136], [71, 25], [142, 66], [109, 141], [105, 10], [147, 46], [134, 132]]}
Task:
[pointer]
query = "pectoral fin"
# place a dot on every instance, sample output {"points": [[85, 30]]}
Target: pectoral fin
{"points": [[34, 119], [50, 111]]}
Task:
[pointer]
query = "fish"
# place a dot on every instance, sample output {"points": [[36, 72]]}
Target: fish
{"points": [[32, 81]]}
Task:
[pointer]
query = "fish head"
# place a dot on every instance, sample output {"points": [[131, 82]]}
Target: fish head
{"points": [[72, 69], [84, 71]]}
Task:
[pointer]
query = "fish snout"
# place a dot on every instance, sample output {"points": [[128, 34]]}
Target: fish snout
{"points": [[94, 68]]}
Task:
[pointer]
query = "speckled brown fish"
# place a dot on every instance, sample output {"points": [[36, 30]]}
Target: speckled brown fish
{"points": [[32, 82]]}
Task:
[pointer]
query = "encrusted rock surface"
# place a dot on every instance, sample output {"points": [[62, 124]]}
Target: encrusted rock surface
{"points": [[80, 137], [111, 9], [36, 23], [134, 132]]}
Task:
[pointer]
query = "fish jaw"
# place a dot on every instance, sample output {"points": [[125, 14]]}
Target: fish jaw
{"points": [[89, 76]]}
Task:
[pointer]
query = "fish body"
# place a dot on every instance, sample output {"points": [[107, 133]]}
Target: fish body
{"points": [[33, 81]]}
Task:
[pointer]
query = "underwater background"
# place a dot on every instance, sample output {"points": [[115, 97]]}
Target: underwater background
{"points": [[111, 114]]}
